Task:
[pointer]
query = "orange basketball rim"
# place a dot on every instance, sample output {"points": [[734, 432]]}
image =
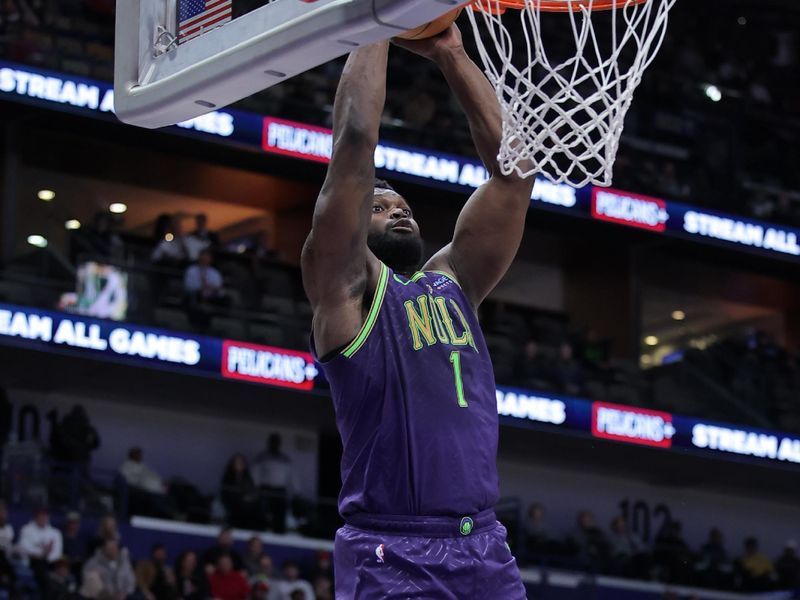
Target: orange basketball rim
{"points": [[554, 5]]}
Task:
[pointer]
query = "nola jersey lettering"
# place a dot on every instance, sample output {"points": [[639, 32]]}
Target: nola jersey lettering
{"points": [[415, 403]]}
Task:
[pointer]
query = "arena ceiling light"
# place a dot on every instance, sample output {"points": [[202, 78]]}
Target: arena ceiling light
{"points": [[46, 195], [37, 240], [72, 224], [678, 315], [118, 208], [713, 93], [651, 340]]}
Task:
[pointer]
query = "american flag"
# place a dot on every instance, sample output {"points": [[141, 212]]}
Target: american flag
{"points": [[199, 16]]}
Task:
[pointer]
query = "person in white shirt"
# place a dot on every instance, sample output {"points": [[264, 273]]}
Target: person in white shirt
{"points": [[176, 248], [139, 475], [108, 575], [41, 544], [147, 494], [203, 280], [203, 285], [292, 582]]}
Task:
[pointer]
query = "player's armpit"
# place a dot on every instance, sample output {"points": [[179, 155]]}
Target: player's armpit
{"points": [[487, 236]]}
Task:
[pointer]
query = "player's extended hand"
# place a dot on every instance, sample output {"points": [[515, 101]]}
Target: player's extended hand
{"points": [[434, 47]]}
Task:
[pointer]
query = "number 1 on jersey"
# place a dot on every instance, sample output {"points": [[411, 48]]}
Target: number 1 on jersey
{"points": [[455, 359]]}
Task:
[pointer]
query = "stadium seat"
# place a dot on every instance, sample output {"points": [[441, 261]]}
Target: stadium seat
{"points": [[171, 318], [269, 334], [226, 327], [278, 305]]}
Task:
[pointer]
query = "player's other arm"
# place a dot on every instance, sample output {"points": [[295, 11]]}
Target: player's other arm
{"points": [[338, 269], [489, 229]]}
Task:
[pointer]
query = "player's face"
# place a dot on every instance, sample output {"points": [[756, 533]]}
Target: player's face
{"points": [[391, 214], [394, 235]]}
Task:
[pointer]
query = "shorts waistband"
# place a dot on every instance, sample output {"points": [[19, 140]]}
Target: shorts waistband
{"points": [[425, 526]]}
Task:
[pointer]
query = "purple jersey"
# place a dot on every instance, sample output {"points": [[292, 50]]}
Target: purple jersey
{"points": [[415, 404]]}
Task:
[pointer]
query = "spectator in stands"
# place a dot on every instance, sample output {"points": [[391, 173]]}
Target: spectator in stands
{"points": [[201, 234], [6, 531], [589, 542], [539, 538], [713, 566], [108, 575], [323, 588], [240, 496], [41, 544], [76, 544], [8, 575], [568, 372], [204, 288], [292, 582], [532, 369], [260, 590], [627, 550], [224, 546], [145, 574], [252, 555], [671, 553], [106, 530], [15, 11], [175, 249], [264, 574], [323, 566], [74, 438], [191, 582], [62, 584], [787, 567], [163, 586], [147, 494], [756, 569], [227, 583], [272, 473]]}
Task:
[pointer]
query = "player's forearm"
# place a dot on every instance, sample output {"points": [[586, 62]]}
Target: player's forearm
{"points": [[361, 95], [479, 102]]}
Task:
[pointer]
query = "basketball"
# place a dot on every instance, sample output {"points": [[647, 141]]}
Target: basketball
{"points": [[433, 28]]}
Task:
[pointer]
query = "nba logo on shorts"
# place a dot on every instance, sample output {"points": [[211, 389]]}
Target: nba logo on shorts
{"points": [[379, 553]]}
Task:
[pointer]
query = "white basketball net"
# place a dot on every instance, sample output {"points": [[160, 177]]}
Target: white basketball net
{"points": [[565, 119]]}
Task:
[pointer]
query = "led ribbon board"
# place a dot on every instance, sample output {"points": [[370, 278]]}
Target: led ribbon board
{"points": [[156, 348], [125, 343], [421, 166]]}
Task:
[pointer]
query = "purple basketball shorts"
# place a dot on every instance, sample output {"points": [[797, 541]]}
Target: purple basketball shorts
{"points": [[378, 557]]}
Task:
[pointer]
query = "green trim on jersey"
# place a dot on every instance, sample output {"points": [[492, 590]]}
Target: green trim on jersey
{"points": [[372, 315], [414, 278]]}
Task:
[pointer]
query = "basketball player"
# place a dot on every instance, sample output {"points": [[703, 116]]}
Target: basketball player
{"points": [[400, 343]]}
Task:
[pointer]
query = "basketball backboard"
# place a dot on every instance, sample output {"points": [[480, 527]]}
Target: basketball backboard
{"points": [[178, 59]]}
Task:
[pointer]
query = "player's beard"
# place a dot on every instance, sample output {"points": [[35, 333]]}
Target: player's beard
{"points": [[401, 252]]}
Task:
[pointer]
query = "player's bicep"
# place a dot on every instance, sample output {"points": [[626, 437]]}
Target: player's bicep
{"points": [[487, 236], [335, 252]]}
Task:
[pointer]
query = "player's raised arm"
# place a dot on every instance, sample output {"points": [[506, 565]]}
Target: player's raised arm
{"points": [[489, 230], [338, 269]]}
